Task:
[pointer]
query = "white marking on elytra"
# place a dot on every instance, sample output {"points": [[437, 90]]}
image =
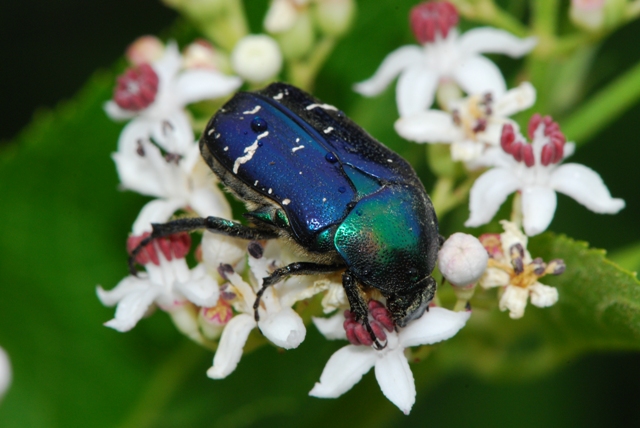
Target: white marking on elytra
{"points": [[226, 148], [322, 106], [324, 199], [278, 96], [211, 131], [295, 149], [255, 110], [270, 191], [300, 172], [256, 183], [297, 140], [329, 129], [286, 201], [250, 151], [217, 135], [390, 160]]}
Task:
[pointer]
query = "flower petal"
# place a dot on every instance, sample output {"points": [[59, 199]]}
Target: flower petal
{"points": [[396, 380], [126, 286], [487, 194], [434, 326], [156, 211], [585, 186], [168, 66], [494, 277], [284, 328], [492, 40], [344, 369], [431, 126], [116, 113], [200, 84], [515, 300], [542, 295], [515, 100], [478, 75], [332, 327], [202, 289], [229, 351], [538, 207], [172, 131], [392, 65], [132, 308], [466, 150], [416, 89]]}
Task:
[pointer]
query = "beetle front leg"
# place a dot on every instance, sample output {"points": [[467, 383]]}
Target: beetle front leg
{"points": [[298, 268], [212, 224], [359, 305]]}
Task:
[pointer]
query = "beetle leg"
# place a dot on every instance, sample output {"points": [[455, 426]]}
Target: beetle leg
{"points": [[359, 306], [298, 268], [212, 224]]}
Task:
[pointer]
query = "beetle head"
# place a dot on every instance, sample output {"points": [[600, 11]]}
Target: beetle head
{"points": [[411, 304]]}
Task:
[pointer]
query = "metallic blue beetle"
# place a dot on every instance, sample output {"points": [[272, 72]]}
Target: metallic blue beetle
{"points": [[309, 174]]}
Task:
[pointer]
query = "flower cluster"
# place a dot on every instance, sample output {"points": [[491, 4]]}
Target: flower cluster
{"points": [[222, 298]]}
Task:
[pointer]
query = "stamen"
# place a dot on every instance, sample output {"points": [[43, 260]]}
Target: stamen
{"points": [[534, 122], [481, 125], [556, 267], [225, 269], [380, 320], [136, 88], [432, 18], [507, 138]]}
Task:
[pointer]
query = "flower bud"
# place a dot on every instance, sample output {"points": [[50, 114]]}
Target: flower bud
{"points": [[596, 15], [145, 50], [257, 58], [334, 17], [298, 40], [201, 54], [462, 259], [281, 16]]}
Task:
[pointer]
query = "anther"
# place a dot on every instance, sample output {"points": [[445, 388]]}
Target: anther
{"points": [[136, 88], [432, 18]]}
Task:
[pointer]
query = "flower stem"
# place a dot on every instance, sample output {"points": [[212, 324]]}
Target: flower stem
{"points": [[604, 107], [445, 197], [486, 12], [303, 73], [516, 210], [164, 382]]}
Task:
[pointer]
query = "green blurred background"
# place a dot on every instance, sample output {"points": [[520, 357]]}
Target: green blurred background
{"points": [[64, 225]]}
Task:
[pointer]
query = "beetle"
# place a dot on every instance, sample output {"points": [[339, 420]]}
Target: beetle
{"points": [[309, 174]]}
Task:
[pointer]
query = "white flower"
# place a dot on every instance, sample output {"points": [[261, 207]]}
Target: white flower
{"points": [[178, 181], [512, 268], [346, 367], [256, 58], [471, 125], [154, 96], [168, 282], [5, 372], [444, 55], [534, 170], [462, 259], [278, 322]]}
